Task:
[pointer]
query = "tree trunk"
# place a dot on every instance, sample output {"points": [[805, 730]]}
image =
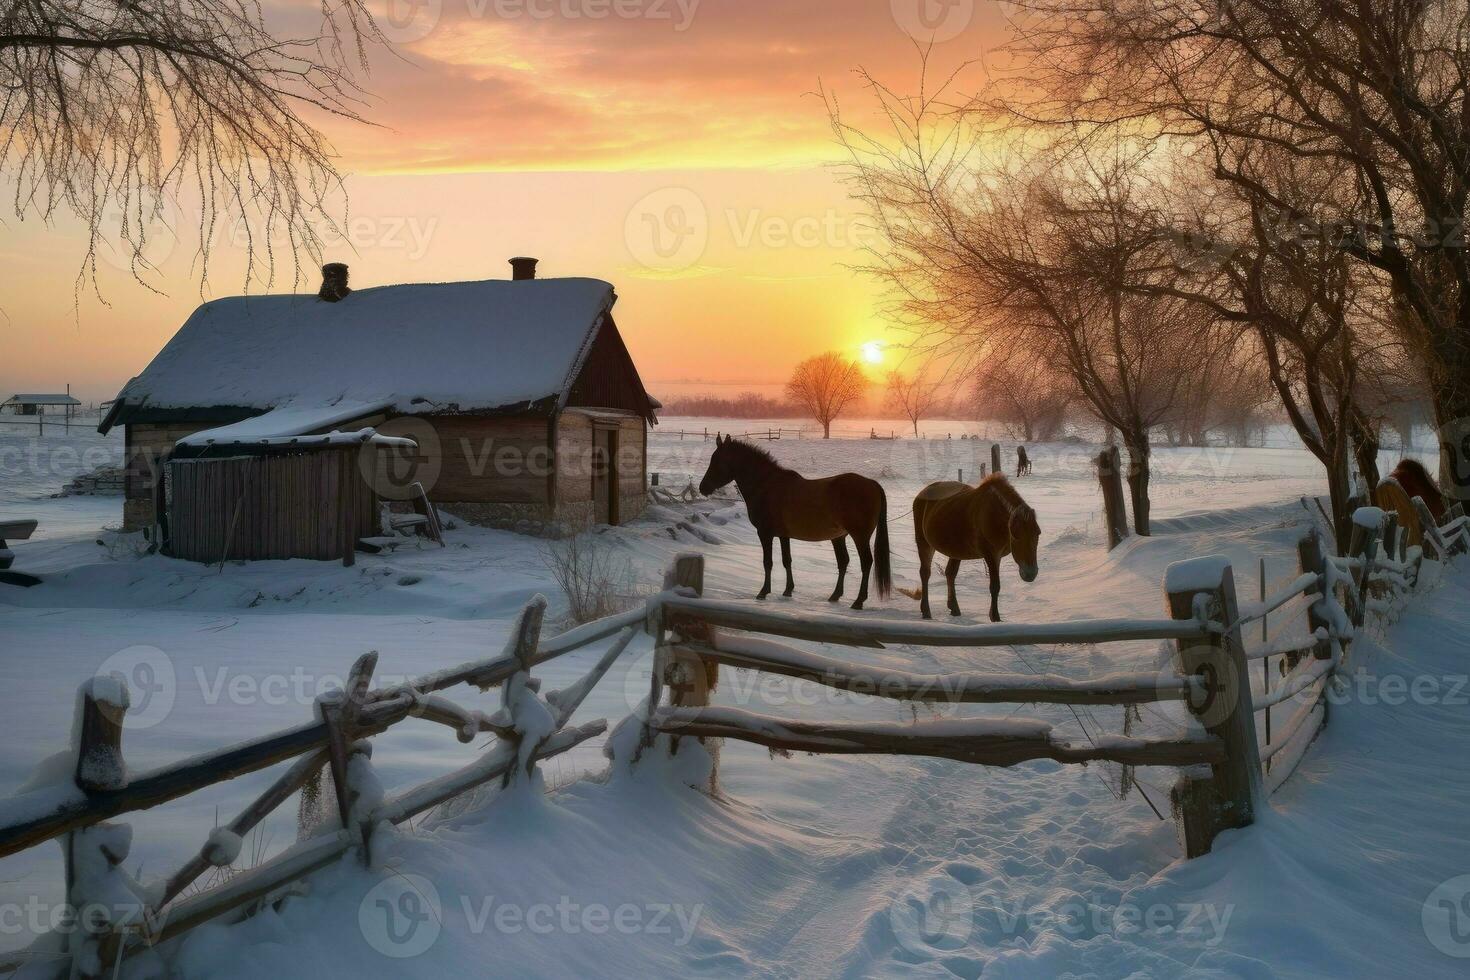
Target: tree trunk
{"points": [[916, 428], [826, 430], [1365, 449], [1138, 463], [1452, 416]]}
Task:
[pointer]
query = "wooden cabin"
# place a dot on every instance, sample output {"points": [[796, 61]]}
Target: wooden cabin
{"points": [[40, 404], [521, 401]]}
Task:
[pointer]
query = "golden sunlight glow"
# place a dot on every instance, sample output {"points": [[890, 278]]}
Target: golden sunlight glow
{"points": [[873, 352]]}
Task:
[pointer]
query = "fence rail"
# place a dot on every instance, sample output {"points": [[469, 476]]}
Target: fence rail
{"points": [[337, 742], [1226, 772]]}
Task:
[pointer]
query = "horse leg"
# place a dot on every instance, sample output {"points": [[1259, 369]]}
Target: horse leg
{"points": [[839, 546], [992, 565], [765, 560], [926, 557], [865, 561], [786, 563], [951, 572]]}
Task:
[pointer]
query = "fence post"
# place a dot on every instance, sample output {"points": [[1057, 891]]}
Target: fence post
{"points": [[1312, 560], [339, 709], [995, 458], [1363, 546], [521, 685], [102, 703], [1230, 797], [1110, 476], [690, 678]]}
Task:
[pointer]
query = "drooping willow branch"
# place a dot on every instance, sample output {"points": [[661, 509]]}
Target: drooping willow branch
{"points": [[110, 111]]}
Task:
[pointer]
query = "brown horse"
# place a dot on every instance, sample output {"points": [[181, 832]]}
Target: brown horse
{"points": [[784, 504], [1416, 481], [964, 522]]}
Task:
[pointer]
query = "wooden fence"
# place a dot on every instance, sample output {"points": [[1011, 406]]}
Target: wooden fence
{"points": [[696, 636], [337, 741], [1227, 767]]}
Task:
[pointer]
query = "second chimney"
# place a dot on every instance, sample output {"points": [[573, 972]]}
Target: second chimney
{"points": [[334, 282], [522, 267]]}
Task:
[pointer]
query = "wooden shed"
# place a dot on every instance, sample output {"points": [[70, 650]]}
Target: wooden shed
{"points": [[520, 397]]}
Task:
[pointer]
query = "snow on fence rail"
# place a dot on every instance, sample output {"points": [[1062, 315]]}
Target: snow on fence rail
{"points": [[529, 728], [1225, 772]]}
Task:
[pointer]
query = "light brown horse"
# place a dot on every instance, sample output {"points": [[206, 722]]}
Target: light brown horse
{"points": [[963, 522], [783, 504]]}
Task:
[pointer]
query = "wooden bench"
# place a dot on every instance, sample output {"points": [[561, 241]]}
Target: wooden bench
{"points": [[14, 531]]}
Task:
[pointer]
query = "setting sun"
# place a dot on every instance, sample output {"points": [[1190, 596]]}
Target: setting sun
{"points": [[873, 352]]}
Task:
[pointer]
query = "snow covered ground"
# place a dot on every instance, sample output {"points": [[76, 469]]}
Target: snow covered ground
{"points": [[824, 866]]}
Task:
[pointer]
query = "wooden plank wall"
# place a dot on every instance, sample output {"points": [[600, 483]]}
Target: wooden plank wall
{"points": [[302, 505]]}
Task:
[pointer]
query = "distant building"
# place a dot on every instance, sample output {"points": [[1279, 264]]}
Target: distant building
{"points": [[40, 405], [523, 405]]}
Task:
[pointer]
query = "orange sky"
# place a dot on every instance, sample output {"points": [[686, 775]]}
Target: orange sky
{"points": [[673, 147]]}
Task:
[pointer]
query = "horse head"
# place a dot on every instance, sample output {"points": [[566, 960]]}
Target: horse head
{"points": [[1025, 534], [721, 468]]}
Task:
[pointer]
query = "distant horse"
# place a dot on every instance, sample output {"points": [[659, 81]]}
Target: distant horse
{"points": [[1023, 462], [964, 522], [1417, 482], [783, 504]]}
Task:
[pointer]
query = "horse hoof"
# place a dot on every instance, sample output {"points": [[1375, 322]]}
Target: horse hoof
{"points": [[995, 617], [761, 596], [955, 612], [924, 613], [858, 604], [835, 598]]}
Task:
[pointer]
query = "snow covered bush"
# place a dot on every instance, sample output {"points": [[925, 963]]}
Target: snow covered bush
{"points": [[597, 581]]}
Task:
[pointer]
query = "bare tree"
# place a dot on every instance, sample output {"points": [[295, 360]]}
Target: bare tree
{"points": [[825, 386], [1380, 89], [1025, 393], [112, 110], [1039, 257], [916, 395]]}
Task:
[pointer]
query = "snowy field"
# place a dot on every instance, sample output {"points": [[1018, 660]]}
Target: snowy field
{"points": [[812, 866]]}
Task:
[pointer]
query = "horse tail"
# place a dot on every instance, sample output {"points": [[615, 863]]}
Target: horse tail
{"points": [[880, 547]]}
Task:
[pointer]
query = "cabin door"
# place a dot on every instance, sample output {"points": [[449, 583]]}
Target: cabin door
{"points": [[604, 475]]}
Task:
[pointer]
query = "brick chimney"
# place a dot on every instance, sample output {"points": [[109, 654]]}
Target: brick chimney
{"points": [[522, 267], [334, 282]]}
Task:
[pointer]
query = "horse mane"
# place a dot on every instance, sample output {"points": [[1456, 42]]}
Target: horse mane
{"points": [[1416, 481], [754, 453], [1416, 468], [999, 483]]}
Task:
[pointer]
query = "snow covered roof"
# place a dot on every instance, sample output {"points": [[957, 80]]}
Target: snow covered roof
{"points": [[494, 345], [41, 400], [283, 424]]}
